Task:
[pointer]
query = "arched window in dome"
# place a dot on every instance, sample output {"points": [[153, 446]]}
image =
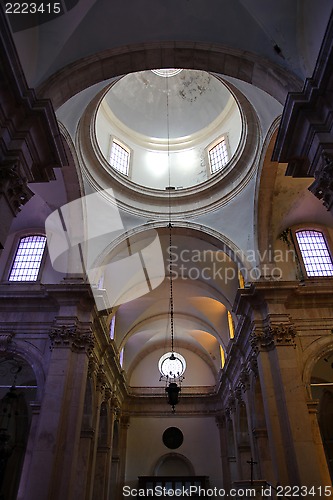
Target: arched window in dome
{"points": [[119, 157], [218, 155], [28, 258], [315, 253]]}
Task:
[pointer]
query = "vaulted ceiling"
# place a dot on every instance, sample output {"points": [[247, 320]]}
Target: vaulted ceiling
{"points": [[215, 224]]}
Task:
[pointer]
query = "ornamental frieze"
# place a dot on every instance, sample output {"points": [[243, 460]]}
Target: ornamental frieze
{"points": [[282, 334], [72, 337]]}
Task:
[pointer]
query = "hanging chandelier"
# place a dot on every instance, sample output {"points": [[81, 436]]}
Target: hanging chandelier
{"points": [[171, 365]]}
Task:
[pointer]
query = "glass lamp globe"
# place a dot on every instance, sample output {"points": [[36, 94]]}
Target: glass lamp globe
{"points": [[172, 365]]}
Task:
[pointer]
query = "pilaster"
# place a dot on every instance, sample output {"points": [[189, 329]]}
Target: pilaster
{"points": [[54, 458], [284, 394]]}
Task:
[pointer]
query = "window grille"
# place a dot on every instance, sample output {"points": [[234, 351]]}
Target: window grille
{"points": [[119, 158], [28, 258], [315, 253], [218, 156]]}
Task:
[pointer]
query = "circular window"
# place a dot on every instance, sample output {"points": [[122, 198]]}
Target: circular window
{"points": [[172, 365], [173, 438]]}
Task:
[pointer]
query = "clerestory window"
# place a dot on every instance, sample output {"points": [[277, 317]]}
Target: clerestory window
{"points": [[28, 258], [119, 157], [218, 155], [315, 253]]}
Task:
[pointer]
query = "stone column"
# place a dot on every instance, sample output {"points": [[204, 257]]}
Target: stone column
{"points": [[53, 466], [235, 468], [288, 424], [249, 451], [84, 473], [242, 436], [226, 476], [124, 425], [114, 414], [102, 468], [99, 448]]}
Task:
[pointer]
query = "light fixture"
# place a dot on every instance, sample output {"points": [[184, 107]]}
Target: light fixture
{"points": [[172, 364]]}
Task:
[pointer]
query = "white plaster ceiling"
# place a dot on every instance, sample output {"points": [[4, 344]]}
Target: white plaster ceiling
{"points": [[177, 106]]}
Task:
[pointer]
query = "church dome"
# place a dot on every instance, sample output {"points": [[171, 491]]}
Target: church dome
{"points": [[178, 128]]}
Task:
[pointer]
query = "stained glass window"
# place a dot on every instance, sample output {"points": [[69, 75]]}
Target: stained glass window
{"points": [[315, 253], [28, 258], [218, 156]]}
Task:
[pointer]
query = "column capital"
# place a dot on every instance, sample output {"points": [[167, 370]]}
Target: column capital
{"points": [[221, 419], [92, 366], [322, 187], [267, 338], [14, 187], [107, 394], [244, 378], [6, 339], [125, 421], [72, 336], [231, 403], [101, 380]]}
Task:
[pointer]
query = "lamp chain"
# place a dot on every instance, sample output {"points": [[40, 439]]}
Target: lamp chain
{"points": [[171, 291], [170, 223]]}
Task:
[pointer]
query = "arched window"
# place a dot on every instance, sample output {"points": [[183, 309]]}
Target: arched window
{"points": [[218, 155], [315, 253], [28, 258], [119, 157], [112, 327]]}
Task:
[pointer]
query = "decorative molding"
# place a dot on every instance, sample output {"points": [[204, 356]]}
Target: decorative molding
{"points": [[30, 135], [322, 187], [72, 337], [253, 364], [273, 335], [244, 378], [305, 134], [92, 366], [239, 396], [231, 404], [5, 340], [108, 394], [13, 187], [101, 380]]}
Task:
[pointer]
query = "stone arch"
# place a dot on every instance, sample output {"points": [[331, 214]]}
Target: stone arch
{"points": [[245, 66], [173, 464], [33, 357], [320, 390], [316, 351]]}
